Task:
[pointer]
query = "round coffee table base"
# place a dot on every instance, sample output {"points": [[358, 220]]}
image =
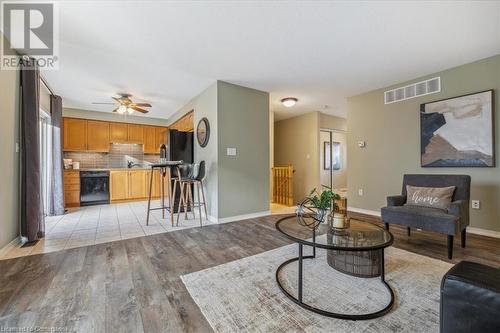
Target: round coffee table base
{"points": [[366, 316]]}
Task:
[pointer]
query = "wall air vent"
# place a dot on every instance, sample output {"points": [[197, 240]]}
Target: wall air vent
{"points": [[426, 87]]}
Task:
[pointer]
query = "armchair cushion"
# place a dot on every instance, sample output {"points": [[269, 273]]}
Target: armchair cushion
{"points": [[422, 218], [457, 208], [396, 200]]}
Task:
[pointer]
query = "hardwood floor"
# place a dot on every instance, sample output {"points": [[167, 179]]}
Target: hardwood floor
{"points": [[134, 285], [481, 249]]}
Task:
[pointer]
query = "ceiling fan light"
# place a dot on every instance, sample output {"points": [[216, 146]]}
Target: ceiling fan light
{"points": [[130, 110], [122, 109], [289, 101]]}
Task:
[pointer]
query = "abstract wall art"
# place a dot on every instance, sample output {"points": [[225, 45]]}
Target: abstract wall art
{"points": [[458, 132]]}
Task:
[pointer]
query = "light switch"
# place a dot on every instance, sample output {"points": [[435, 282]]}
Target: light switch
{"points": [[231, 151]]}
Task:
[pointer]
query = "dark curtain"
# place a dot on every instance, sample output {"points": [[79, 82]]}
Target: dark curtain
{"points": [[56, 186], [32, 224]]}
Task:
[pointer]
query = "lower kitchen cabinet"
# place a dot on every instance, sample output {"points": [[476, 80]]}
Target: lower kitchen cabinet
{"points": [[119, 185], [71, 188], [137, 184], [132, 185]]}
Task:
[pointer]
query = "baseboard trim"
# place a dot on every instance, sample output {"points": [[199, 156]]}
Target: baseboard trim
{"points": [[363, 211], [483, 232], [16, 241], [238, 217], [470, 230]]}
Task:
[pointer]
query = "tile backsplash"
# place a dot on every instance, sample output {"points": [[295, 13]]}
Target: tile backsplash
{"points": [[117, 157]]}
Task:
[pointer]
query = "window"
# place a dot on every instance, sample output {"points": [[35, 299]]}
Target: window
{"points": [[45, 130]]}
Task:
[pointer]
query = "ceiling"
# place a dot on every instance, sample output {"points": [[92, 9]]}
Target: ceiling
{"points": [[166, 53]]}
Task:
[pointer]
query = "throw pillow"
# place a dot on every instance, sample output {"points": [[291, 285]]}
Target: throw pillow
{"points": [[434, 197]]}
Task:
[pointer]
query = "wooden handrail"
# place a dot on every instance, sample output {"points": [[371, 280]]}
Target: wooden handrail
{"points": [[283, 185]]}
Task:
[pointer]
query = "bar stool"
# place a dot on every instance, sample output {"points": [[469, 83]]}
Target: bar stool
{"points": [[195, 178], [164, 170]]}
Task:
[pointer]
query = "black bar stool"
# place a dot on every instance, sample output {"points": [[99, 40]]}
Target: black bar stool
{"points": [[194, 178], [165, 169]]}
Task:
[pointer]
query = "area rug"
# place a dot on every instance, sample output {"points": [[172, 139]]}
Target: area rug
{"points": [[243, 296]]}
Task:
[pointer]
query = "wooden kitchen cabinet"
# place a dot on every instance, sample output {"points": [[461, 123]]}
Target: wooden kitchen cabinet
{"points": [[135, 133], [149, 139], [98, 136], [119, 185], [137, 184], [118, 132], [161, 138], [71, 188], [75, 134]]}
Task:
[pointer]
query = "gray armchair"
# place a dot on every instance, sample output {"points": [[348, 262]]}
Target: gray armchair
{"points": [[452, 221]]}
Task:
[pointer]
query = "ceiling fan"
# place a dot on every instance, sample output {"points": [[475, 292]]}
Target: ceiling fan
{"points": [[126, 105]]}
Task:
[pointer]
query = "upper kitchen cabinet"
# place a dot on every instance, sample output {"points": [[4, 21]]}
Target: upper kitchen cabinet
{"points": [[98, 136], [118, 132], [161, 138], [185, 123], [75, 134], [150, 140], [135, 133]]}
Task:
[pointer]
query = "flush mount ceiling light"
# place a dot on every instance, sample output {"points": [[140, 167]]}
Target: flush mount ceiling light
{"points": [[289, 101]]}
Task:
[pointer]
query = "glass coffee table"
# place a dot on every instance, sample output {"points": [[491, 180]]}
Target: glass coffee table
{"points": [[357, 251]]}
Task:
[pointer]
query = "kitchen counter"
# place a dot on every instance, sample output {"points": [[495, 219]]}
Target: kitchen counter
{"points": [[109, 169]]}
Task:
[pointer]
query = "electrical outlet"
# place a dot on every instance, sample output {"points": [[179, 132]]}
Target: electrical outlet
{"points": [[476, 204], [361, 144], [231, 152], [360, 192]]}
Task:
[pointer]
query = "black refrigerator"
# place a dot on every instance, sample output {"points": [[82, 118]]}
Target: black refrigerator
{"points": [[180, 147]]}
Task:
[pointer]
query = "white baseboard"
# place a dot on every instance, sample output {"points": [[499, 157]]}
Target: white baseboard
{"points": [[483, 232], [16, 241], [238, 217], [470, 230], [363, 211]]}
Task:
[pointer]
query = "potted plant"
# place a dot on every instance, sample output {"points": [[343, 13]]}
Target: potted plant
{"points": [[319, 203]]}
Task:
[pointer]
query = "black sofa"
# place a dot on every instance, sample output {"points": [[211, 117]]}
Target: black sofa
{"points": [[470, 299], [451, 222]]}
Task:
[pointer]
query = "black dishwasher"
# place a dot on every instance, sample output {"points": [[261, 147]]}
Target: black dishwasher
{"points": [[94, 188]]}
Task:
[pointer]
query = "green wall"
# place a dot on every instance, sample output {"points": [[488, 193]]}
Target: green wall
{"points": [[205, 105], [239, 118], [9, 163], [392, 134], [243, 123]]}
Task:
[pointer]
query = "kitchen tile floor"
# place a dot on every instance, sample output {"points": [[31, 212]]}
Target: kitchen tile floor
{"points": [[101, 224]]}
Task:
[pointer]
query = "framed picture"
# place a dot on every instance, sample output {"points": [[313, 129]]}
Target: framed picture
{"points": [[458, 132], [336, 156]]}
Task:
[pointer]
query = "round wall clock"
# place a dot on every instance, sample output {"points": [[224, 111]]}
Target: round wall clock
{"points": [[203, 132]]}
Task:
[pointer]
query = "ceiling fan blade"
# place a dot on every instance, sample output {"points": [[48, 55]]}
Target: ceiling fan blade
{"points": [[142, 104], [115, 110], [104, 103], [138, 109], [118, 99]]}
